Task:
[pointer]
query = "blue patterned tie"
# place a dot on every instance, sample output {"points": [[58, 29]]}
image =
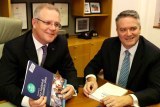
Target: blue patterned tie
{"points": [[44, 48], [124, 72]]}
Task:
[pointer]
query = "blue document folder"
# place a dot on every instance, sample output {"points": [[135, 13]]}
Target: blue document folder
{"points": [[41, 82]]}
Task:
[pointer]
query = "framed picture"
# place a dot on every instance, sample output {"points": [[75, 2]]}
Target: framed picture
{"points": [[19, 10], [82, 25], [95, 7], [157, 15], [86, 8], [64, 12]]}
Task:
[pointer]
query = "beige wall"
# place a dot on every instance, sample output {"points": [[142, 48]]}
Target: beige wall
{"points": [[146, 9]]}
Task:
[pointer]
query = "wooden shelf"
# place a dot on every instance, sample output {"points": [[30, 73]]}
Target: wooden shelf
{"points": [[82, 51], [102, 22], [156, 27], [94, 15]]}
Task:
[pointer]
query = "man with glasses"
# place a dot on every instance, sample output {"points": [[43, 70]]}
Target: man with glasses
{"points": [[16, 53]]}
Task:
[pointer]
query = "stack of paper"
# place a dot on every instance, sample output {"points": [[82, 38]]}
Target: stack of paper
{"points": [[107, 89]]}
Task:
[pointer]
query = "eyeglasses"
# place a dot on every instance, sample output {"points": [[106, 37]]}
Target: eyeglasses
{"points": [[49, 23]]}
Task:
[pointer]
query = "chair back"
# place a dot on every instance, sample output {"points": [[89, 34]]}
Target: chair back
{"points": [[10, 28]]}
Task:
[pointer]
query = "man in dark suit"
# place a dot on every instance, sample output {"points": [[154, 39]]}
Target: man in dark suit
{"points": [[144, 72], [16, 53]]}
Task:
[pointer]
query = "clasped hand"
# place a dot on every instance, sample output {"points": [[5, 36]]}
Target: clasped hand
{"points": [[67, 92]]}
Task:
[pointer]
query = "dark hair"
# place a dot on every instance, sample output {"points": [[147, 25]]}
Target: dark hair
{"points": [[128, 13]]}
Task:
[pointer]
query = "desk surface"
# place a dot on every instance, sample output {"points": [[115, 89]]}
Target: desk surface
{"points": [[79, 101], [82, 101]]}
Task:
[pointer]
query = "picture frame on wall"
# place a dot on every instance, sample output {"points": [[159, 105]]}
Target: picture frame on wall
{"points": [[19, 11], [82, 25], [87, 8], [95, 7], [157, 15], [64, 12]]}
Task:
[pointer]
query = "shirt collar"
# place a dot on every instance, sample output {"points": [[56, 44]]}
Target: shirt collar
{"points": [[132, 50], [37, 43]]}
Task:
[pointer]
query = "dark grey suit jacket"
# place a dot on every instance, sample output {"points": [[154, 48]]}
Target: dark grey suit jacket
{"points": [[144, 77], [13, 63]]}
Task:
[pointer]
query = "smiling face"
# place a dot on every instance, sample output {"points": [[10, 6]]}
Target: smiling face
{"points": [[45, 27], [128, 29]]}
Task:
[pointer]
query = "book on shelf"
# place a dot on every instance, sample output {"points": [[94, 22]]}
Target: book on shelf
{"points": [[41, 82], [106, 90]]}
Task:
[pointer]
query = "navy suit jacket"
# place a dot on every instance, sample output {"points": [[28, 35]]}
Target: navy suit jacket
{"points": [[13, 63], [144, 77]]}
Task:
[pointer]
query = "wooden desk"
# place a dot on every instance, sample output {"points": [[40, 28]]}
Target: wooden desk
{"points": [[82, 101], [79, 101]]}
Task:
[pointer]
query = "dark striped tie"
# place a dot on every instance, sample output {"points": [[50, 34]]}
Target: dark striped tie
{"points": [[124, 72], [44, 48]]}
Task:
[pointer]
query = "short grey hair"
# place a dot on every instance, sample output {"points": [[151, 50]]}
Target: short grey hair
{"points": [[42, 6], [128, 13]]}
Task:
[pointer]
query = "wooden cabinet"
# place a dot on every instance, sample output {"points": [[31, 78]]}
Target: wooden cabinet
{"points": [[80, 55], [82, 51], [102, 24], [95, 46], [5, 8]]}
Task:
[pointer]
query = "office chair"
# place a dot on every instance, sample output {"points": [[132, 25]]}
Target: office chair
{"points": [[9, 28]]}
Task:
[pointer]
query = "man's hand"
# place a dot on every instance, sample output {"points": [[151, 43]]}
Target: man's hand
{"points": [[90, 86], [41, 102], [117, 101], [68, 92]]}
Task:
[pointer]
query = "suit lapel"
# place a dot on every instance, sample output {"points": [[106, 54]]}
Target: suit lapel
{"points": [[30, 48], [137, 62], [115, 52]]}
